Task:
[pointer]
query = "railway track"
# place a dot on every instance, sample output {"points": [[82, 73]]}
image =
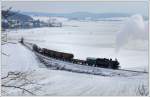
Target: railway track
{"points": [[72, 67], [133, 71]]}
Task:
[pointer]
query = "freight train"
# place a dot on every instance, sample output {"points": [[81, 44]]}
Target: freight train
{"points": [[96, 62]]}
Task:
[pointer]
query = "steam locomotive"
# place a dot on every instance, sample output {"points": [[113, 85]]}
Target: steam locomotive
{"points": [[96, 62]]}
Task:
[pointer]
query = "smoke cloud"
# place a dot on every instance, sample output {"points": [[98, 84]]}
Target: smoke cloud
{"points": [[133, 28]]}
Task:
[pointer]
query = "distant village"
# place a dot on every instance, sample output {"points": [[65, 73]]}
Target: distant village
{"points": [[13, 23], [16, 20]]}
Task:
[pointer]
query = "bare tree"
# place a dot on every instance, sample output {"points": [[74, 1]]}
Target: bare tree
{"points": [[20, 81], [142, 90], [6, 13]]}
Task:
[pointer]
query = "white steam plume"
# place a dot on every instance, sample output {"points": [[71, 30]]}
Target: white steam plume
{"points": [[133, 28]]}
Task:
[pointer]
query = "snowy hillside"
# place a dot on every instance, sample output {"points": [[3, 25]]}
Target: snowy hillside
{"points": [[75, 48], [83, 39], [57, 82]]}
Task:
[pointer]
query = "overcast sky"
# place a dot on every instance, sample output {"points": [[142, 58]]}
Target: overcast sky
{"points": [[69, 7]]}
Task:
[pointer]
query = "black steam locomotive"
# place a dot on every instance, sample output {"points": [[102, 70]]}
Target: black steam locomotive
{"points": [[103, 63], [96, 62]]}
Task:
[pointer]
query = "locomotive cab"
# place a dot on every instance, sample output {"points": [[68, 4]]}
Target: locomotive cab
{"points": [[91, 61]]}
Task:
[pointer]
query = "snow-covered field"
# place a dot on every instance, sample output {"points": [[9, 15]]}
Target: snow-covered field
{"points": [[57, 82], [88, 39], [83, 39]]}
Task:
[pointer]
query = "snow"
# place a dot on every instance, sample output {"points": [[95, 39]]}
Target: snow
{"points": [[18, 59], [58, 82], [88, 39], [97, 40], [64, 83]]}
